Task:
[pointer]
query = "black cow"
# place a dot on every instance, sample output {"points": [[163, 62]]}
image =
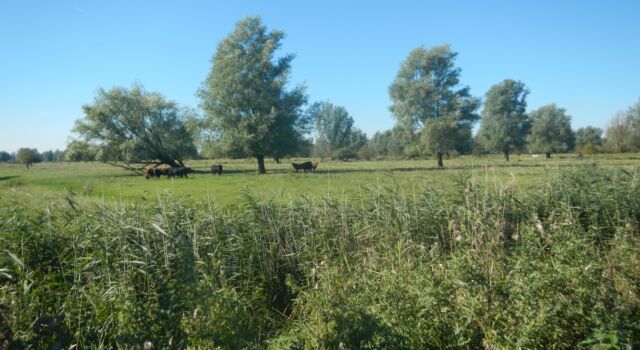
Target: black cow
{"points": [[304, 166], [216, 169], [179, 172]]}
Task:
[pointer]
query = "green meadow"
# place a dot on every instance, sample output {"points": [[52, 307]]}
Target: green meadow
{"points": [[98, 182]]}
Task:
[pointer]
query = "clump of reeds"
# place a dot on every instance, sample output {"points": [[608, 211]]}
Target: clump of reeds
{"points": [[468, 266]]}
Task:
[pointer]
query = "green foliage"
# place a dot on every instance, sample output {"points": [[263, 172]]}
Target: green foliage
{"points": [[27, 156], [550, 131], [5, 156], [356, 142], [589, 149], [505, 124], [604, 341], [133, 125], [623, 132], [52, 156], [427, 97], [245, 95], [469, 265], [395, 143], [79, 151], [333, 126], [619, 134], [588, 136]]}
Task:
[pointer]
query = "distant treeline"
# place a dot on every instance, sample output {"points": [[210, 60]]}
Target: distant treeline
{"points": [[31, 155], [248, 110], [622, 135]]}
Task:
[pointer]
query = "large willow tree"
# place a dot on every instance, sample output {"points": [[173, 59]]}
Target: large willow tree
{"points": [[550, 131], [135, 126], [427, 96], [246, 99], [505, 123]]}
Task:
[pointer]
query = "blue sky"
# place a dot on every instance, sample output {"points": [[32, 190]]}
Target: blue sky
{"points": [[582, 55]]}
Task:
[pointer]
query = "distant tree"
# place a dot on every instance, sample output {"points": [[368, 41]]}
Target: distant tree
{"points": [[135, 126], [197, 127], [27, 156], [550, 131], [379, 144], [504, 124], [620, 134], [333, 125], [356, 142], [5, 156], [633, 115], [464, 143], [588, 135], [394, 143], [623, 131], [306, 148], [427, 97], [59, 155], [245, 95], [47, 156], [80, 151], [404, 142]]}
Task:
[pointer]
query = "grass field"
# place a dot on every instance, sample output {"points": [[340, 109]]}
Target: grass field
{"points": [[97, 182], [484, 254]]}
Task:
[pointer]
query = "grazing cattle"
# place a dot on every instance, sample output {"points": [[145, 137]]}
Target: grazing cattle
{"points": [[216, 169], [304, 166], [153, 172], [314, 165], [149, 172], [162, 171], [179, 172]]}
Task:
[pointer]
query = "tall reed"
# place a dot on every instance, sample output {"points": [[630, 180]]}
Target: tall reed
{"points": [[467, 266]]}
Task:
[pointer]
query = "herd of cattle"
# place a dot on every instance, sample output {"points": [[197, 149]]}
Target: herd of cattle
{"points": [[216, 169], [168, 172]]}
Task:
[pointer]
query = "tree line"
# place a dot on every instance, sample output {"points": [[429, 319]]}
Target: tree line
{"points": [[248, 109], [29, 156]]}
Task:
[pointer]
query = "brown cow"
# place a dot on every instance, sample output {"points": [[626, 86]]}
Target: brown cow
{"points": [[149, 173], [314, 165]]}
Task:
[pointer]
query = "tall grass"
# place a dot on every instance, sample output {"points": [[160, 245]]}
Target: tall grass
{"points": [[467, 266]]}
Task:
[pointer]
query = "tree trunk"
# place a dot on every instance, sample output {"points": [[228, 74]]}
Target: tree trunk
{"points": [[440, 165], [261, 168], [548, 155], [506, 154]]}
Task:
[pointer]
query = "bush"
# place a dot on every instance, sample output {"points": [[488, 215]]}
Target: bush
{"points": [[590, 149]]}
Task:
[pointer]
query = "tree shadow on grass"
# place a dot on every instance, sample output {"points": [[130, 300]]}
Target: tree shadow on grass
{"points": [[445, 168], [230, 171], [4, 178]]}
